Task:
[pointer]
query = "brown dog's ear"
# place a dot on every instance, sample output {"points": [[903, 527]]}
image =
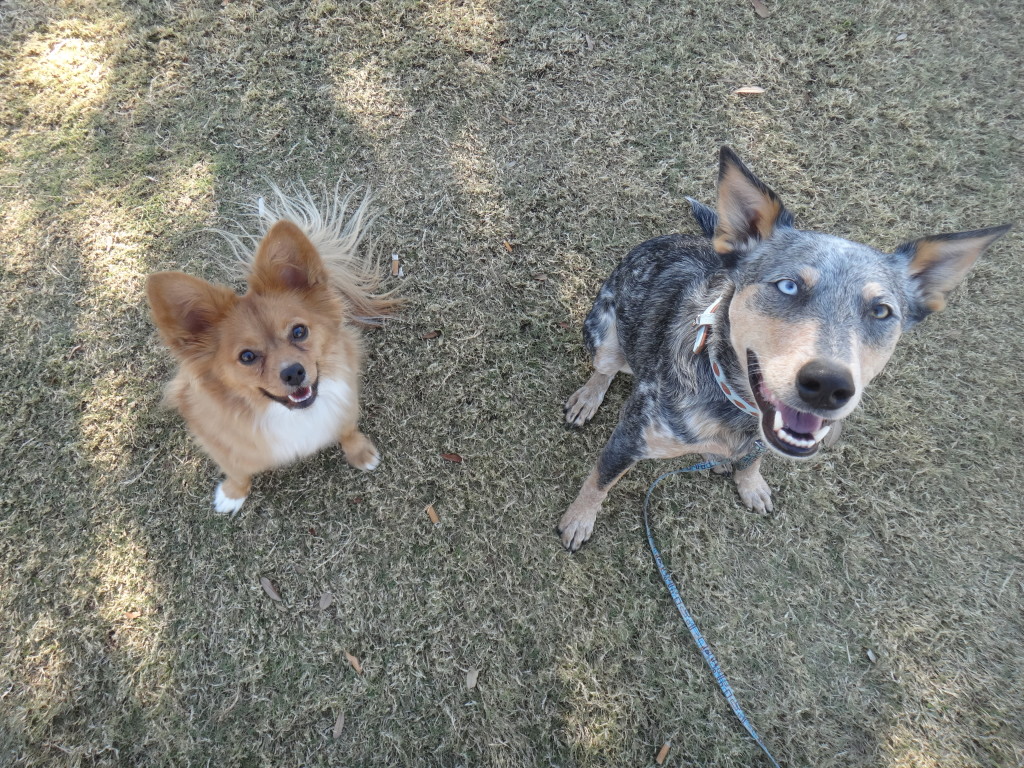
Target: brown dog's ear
{"points": [[747, 209], [937, 264], [185, 309], [286, 260]]}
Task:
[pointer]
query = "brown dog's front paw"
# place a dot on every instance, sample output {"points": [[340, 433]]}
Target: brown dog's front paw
{"points": [[360, 452], [575, 527]]}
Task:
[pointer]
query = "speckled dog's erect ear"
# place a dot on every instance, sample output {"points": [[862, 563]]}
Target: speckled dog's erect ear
{"points": [[748, 211], [938, 263]]}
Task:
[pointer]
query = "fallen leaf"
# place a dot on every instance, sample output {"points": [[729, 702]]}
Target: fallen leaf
{"points": [[564, 326], [540, 277], [508, 245], [453, 457], [663, 753], [354, 662], [749, 90], [132, 614], [270, 589], [325, 601], [871, 656], [761, 9], [338, 725], [471, 678], [432, 514], [395, 265], [901, 37], [430, 335]]}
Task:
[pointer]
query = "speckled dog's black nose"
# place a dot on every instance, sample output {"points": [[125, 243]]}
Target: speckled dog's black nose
{"points": [[823, 384]]}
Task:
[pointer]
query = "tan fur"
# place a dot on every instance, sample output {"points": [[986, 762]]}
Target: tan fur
{"points": [[782, 346], [868, 361], [660, 444], [752, 488], [608, 361], [809, 276], [872, 291], [225, 402], [577, 523], [743, 211], [609, 358], [223, 413]]}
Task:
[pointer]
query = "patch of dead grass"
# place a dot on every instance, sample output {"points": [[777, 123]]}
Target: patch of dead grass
{"points": [[571, 132]]}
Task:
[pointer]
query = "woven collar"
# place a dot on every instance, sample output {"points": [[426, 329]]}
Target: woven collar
{"points": [[704, 323]]}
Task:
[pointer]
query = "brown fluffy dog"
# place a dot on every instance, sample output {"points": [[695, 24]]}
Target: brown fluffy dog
{"points": [[273, 376]]}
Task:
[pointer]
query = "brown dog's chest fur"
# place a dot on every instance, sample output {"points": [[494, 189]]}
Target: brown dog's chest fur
{"points": [[230, 426]]}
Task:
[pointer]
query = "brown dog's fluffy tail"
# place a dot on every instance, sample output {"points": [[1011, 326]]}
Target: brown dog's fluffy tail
{"points": [[338, 234]]}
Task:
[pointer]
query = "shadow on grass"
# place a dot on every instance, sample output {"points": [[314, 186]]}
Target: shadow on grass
{"points": [[519, 151]]}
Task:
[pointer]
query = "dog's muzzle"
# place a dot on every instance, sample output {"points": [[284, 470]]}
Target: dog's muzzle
{"points": [[791, 432]]}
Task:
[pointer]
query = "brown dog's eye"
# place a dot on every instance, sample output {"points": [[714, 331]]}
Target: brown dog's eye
{"points": [[247, 357], [299, 332], [880, 311]]}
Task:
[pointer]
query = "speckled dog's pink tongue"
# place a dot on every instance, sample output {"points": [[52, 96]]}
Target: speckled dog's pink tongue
{"points": [[797, 421]]}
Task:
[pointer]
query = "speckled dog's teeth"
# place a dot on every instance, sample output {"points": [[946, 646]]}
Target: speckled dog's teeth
{"points": [[786, 436]]}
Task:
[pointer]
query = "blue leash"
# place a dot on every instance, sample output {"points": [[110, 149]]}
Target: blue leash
{"points": [[698, 637]]}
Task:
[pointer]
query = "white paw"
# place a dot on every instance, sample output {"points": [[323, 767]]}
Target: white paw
{"points": [[360, 452], [755, 493], [224, 504]]}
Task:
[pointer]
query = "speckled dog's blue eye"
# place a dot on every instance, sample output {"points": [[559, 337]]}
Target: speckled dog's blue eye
{"points": [[788, 287], [881, 311]]}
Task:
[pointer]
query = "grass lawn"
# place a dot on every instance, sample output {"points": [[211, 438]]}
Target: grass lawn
{"points": [[517, 150]]}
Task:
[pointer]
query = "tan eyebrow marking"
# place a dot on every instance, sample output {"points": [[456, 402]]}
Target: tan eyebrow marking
{"points": [[872, 291], [809, 275]]}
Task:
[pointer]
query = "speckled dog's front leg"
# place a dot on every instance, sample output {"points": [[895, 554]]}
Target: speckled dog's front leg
{"points": [[618, 456]]}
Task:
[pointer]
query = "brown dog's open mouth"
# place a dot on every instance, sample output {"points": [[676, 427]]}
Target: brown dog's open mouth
{"points": [[787, 430], [300, 397]]}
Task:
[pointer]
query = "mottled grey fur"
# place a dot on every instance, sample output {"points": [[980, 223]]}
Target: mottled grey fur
{"points": [[642, 323]]}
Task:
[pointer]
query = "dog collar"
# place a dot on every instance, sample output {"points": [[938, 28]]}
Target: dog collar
{"points": [[704, 323]]}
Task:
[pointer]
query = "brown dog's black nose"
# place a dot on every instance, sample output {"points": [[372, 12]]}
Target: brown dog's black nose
{"points": [[822, 384], [293, 375]]}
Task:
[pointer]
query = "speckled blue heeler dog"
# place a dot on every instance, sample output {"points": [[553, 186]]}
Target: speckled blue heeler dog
{"points": [[759, 331]]}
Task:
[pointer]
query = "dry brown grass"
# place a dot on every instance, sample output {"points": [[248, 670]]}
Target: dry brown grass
{"points": [[134, 628]]}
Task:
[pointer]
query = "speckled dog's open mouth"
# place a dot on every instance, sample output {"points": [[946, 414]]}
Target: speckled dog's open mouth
{"points": [[300, 397], [790, 432]]}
